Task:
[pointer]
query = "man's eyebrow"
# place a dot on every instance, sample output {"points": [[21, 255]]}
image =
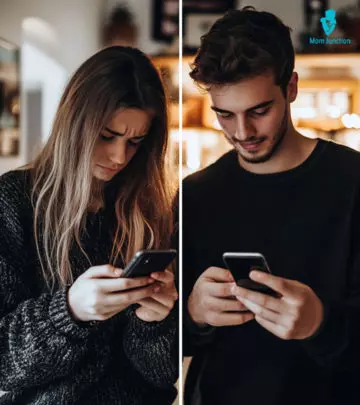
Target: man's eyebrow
{"points": [[255, 107], [120, 134]]}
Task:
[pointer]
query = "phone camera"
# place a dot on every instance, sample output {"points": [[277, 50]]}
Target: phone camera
{"points": [[146, 261]]}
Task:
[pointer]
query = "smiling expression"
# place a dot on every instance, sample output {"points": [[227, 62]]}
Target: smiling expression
{"points": [[253, 114]]}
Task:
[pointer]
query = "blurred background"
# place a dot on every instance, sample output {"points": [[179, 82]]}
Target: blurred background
{"points": [[42, 43]]}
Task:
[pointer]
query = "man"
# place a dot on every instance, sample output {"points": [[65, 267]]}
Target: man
{"points": [[293, 199]]}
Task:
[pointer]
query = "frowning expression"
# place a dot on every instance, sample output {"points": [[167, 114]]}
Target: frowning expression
{"points": [[119, 141]]}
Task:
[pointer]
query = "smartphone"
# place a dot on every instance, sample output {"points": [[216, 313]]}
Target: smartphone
{"points": [[241, 264], [146, 262]]}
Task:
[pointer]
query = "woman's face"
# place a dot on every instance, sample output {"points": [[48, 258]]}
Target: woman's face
{"points": [[119, 141]]}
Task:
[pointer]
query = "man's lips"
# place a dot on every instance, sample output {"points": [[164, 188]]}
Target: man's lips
{"points": [[252, 145]]}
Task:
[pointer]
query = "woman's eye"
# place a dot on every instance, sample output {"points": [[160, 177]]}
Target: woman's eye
{"points": [[106, 138], [135, 143]]}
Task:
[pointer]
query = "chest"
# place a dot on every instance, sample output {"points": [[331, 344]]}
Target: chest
{"points": [[304, 233]]}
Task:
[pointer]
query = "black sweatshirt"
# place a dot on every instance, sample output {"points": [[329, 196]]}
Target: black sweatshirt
{"points": [[45, 356], [306, 221]]}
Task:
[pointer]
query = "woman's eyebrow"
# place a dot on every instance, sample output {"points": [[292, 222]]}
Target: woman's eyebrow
{"points": [[121, 134], [114, 132]]}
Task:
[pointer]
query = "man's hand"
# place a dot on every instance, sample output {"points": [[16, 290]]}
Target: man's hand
{"points": [[212, 302], [297, 314]]}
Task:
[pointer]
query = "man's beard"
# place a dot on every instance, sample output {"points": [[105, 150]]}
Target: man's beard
{"points": [[276, 142]]}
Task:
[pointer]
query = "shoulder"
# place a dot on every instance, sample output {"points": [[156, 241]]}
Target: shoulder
{"points": [[16, 214], [343, 161], [211, 177], [15, 188], [344, 153]]}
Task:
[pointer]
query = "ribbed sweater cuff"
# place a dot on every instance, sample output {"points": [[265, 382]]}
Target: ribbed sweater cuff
{"points": [[151, 329], [62, 319]]}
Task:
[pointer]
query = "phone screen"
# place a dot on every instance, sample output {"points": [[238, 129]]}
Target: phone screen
{"points": [[241, 264]]}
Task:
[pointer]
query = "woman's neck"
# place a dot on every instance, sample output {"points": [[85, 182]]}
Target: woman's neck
{"points": [[97, 196]]}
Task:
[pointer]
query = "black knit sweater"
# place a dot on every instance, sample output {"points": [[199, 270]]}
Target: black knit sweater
{"points": [[48, 358], [306, 221]]}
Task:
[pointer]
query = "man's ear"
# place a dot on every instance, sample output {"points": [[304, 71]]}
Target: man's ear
{"points": [[292, 88]]}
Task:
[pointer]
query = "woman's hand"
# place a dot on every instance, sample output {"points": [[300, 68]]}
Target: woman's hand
{"points": [[100, 293], [158, 306]]}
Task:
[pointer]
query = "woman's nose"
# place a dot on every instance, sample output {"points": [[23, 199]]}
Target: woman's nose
{"points": [[118, 154]]}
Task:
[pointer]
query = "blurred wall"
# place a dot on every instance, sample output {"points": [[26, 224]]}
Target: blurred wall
{"points": [[63, 34]]}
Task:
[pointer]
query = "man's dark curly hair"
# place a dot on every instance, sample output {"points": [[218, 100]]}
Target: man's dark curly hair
{"points": [[243, 44]]}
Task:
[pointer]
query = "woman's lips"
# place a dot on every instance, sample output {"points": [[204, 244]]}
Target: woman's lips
{"points": [[108, 169]]}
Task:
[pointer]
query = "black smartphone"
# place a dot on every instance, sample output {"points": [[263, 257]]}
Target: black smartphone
{"points": [[241, 264], [146, 262]]}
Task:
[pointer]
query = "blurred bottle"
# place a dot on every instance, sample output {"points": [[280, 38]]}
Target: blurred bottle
{"points": [[120, 28]]}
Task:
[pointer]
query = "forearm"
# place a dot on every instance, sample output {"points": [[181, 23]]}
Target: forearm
{"points": [[39, 342]]}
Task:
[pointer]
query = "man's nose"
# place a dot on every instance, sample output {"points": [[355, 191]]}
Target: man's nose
{"points": [[244, 129]]}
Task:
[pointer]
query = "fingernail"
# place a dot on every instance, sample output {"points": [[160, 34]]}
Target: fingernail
{"points": [[118, 272], [151, 280]]}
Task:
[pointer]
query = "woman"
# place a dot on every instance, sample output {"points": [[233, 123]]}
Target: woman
{"points": [[72, 330]]}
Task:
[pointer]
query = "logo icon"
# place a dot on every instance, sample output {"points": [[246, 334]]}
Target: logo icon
{"points": [[329, 21]]}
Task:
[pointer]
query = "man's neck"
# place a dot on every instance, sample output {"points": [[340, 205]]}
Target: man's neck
{"points": [[292, 152]]}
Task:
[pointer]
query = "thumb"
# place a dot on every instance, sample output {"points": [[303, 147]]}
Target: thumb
{"points": [[104, 271]]}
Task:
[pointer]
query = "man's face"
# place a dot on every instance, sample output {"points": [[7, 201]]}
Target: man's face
{"points": [[254, 115]]}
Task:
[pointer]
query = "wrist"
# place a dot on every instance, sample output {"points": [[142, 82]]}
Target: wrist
{"points": [[319, 320], [194, 316], [71, 308]]}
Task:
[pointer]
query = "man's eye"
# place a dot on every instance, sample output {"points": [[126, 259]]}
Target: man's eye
{"points": [[106, 138], [260, 112], [223, 114]]}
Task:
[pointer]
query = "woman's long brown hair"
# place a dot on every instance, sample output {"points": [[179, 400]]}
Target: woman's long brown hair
{"points": [[63, 186]]}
